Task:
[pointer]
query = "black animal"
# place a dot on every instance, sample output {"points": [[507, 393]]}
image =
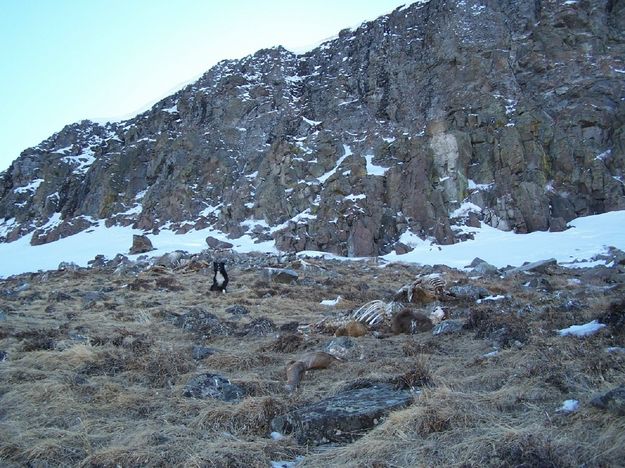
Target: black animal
{"points": [[220, 277]]}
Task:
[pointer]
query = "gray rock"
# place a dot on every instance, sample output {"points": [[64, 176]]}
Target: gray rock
{"points": [[217, 244], [3, 316], [90, 297], [98, 262], [401, 248], [3, 356], [448, 327], [259, 327], [213, 386], [344, 347], [140, 244], [237, 310], [203, 323], [613, 401], [343, 417], [280, 275], [617, 255], [542, 266], [469, 292], [68, 266], [485, 268]]}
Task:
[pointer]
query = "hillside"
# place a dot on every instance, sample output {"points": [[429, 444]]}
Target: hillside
{"points": [[138, 364], [510, 113]]}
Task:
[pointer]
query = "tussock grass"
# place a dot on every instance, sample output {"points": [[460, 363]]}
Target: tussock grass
{"points": [[100, 383]]}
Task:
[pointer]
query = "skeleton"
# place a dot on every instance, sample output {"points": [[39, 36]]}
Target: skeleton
{"points": [[423, 290]]}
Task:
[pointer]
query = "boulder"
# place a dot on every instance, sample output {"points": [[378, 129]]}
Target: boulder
{"points": [[140, 244], [343, 417], [401, 248], [541, 266], [483, 268], [469, 292], [613, 401], [213, 386], [217, 244]]}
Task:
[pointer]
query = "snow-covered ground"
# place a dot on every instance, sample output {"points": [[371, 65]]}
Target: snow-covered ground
{"points": [[576, 246]]}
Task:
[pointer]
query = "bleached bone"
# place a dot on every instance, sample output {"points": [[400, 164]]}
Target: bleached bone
{"points": [[437, 315], [373, 312]]}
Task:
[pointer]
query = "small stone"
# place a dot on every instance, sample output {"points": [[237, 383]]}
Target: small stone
{"points": [[237, 310], [213, 386], [447, 327], [259, 327], [344, 347]]}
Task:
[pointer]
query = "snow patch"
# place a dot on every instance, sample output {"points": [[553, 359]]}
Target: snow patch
{"points": [[311, 122], [473, 186], [171, 110], [569, 406], [373, 169], [582, 330], [465, 209], [331, 302], [82, 162], [32, 187], [347, 152], [490, 298]]}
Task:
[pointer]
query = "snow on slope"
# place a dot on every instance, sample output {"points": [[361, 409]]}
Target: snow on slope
{"points": [[588, 237]]}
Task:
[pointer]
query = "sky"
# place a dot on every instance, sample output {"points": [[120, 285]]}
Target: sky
{"points": [[62, 61]]}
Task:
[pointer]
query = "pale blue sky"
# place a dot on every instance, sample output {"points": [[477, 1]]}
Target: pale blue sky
{"points": [[62, 61]]}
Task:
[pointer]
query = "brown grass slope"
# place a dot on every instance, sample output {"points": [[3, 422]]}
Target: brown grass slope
{"points": [[97, 363]]}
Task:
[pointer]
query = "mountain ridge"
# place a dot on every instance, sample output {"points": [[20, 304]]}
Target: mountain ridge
{"points": [[509, 114]]}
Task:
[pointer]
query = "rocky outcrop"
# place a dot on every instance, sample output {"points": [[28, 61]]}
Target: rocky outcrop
{"points": [[439, 114], [343, 417], [140, 244]]}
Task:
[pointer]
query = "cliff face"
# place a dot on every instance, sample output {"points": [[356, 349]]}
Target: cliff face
{"points": [[511, 112]]}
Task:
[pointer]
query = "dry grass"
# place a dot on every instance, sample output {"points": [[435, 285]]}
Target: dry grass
{"points": [[95, 376]]}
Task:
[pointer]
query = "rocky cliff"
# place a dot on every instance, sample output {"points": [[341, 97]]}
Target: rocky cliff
{"points": [[442, 113]]}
